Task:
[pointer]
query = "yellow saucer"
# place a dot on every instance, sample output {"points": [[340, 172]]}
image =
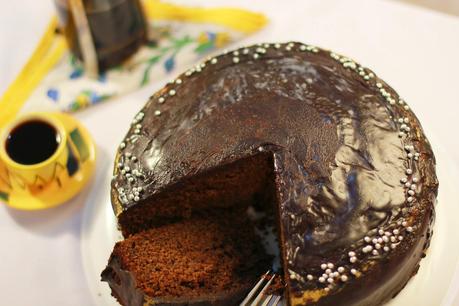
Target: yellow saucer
{"points": [[82, 147]]}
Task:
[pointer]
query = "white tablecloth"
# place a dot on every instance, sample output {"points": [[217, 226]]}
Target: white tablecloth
{"points": [[415, 50]]}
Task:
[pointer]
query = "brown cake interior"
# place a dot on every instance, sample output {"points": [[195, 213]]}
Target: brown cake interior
{"points": [[241, 183], [209, 256]]}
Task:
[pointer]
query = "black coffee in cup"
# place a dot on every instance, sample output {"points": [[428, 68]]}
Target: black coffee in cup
{"points": [[32, 142]]}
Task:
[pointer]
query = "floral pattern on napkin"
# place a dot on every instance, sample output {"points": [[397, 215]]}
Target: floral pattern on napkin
{"points": [[177, 46]]}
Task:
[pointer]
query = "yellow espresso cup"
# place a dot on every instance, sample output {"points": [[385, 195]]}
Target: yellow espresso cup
{"points": [[45, 159]]}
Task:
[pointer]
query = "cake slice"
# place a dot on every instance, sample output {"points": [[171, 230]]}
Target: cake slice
{"points": [[209, 259]]}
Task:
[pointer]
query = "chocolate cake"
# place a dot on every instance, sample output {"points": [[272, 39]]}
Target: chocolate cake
{"points": [[313, 136]]}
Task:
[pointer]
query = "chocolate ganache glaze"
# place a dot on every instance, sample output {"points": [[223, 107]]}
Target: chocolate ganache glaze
{"points": [[354, 175]]}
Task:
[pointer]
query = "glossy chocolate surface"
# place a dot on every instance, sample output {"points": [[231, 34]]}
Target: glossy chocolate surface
{"points": [[353, 168]]}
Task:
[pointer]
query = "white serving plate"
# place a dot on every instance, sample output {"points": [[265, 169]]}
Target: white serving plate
{"points": [[436, 284]]}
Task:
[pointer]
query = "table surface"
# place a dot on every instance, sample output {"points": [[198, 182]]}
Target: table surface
{"points": [[414, 49]]}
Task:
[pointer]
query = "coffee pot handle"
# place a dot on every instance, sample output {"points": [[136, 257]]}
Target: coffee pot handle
{"points": [[88, 49]]}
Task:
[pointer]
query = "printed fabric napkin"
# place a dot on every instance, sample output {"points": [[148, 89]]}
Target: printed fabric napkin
{"points": [[54, 79]]}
